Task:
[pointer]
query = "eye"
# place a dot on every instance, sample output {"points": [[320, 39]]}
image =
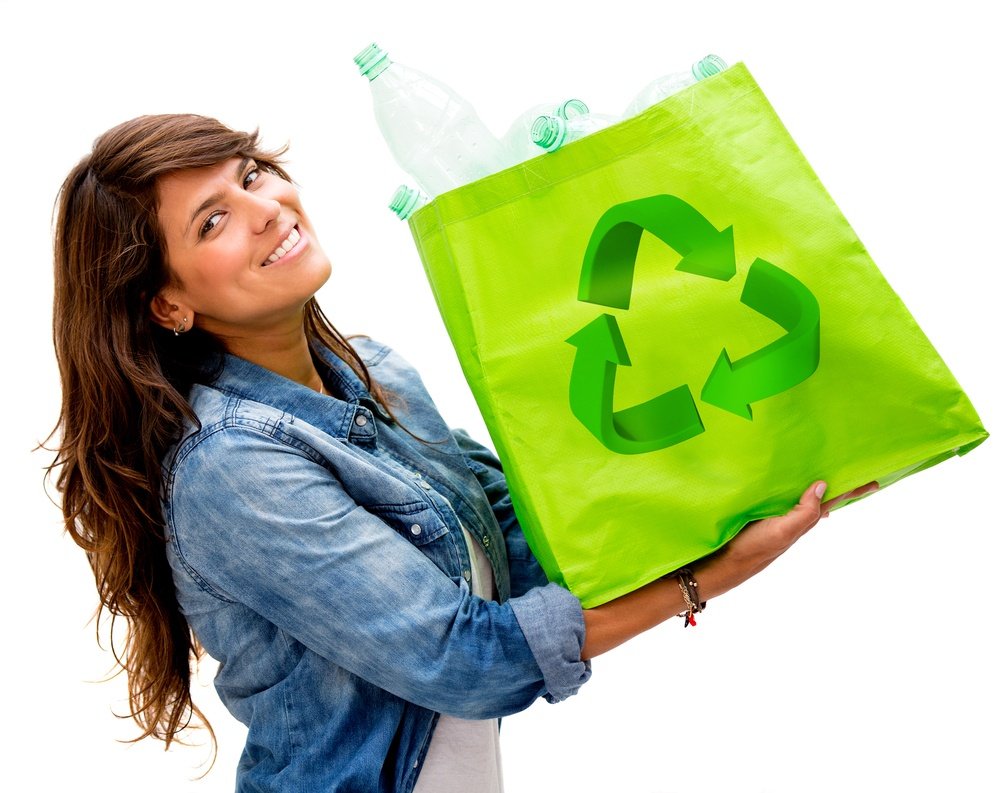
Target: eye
{"points": [[210, 223], [251, 176]]}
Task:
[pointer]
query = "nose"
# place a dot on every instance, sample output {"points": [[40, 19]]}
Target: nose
{"points": [[263, 211]]}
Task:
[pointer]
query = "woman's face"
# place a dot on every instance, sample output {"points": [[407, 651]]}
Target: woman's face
{"points": [[243, 256]]}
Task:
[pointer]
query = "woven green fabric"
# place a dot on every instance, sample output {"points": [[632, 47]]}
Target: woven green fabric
{"points": [[670, 330]]}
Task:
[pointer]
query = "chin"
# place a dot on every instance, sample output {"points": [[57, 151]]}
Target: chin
{"points": [[325, 271], [318, 276]]}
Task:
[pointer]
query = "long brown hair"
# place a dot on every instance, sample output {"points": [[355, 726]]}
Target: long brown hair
{"points": [[124, 383]]}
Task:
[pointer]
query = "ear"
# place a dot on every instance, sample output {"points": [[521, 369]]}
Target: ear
{"points": [[170, 313]]}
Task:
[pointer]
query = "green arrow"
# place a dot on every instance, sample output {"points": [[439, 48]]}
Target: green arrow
{"points": [[780, 365], [609, 261], [659, 422]]}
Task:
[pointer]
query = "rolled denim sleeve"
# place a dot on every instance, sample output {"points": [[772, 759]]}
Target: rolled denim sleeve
{"points": [[557, 652], [267, 524], [525, 571]]}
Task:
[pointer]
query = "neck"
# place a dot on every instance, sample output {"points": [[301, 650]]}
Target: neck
{"points": [[284, 352]]}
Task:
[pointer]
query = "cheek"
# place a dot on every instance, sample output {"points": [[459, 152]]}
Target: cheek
{"points": [[217, 269], [231, 259]]}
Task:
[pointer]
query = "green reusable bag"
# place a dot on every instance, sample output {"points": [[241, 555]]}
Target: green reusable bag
{"points": [[671, 330]]}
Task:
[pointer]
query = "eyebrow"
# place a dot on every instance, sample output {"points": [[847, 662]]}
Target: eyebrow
{"points": [[215, 197]]}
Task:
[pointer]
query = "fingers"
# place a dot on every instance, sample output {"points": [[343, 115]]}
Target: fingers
{"points": [[807, 512], [812, 499], [816, 491], [811, 506], [850, 495], [763, 541]]}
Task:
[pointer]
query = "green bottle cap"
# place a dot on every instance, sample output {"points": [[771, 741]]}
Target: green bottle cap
{"points": [[549, 132], [572, 108], [372, 61], [707, 66], [404, 201]]}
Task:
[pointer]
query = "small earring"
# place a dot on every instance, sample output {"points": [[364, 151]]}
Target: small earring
{"points": [[179, 329]]}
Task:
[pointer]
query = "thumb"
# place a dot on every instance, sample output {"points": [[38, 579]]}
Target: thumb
{"points": [[814, 494], [812, 499], [811, 502]]}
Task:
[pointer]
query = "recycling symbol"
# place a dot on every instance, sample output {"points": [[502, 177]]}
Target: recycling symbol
{"points": [[606, 279]]}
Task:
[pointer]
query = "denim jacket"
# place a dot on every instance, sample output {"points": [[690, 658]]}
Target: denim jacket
{"points": [[317, 554]]}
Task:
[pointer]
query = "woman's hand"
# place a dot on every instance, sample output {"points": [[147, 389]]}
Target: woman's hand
{"points": [[757, 545], [761, 542]]}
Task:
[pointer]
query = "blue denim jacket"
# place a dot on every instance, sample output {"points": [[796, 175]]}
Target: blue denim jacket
{"points": [[317, 554]]}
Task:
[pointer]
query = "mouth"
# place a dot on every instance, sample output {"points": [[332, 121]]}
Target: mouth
{"points": [[285, 247]]}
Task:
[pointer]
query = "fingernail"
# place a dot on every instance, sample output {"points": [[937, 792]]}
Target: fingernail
{"points": [[820, 489]]}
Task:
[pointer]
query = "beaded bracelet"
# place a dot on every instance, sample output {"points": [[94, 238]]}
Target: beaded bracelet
{"points": [[689, 591]]}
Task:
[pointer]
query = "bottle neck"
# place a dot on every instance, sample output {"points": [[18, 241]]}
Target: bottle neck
{"points": [[406, 201], [549, 132], [372, 61], [572, 108], [707, 66]]}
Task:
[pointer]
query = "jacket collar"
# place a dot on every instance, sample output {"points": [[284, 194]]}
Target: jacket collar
{"points": [[336, 413]]}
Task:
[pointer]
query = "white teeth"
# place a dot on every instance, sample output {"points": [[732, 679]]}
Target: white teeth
{"points": [[290, 241]]}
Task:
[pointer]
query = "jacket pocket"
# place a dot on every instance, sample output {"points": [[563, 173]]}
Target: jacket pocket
{"points": [[418, 521]]}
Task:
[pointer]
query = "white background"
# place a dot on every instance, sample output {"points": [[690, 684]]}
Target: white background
{"points": [[864, 660]]}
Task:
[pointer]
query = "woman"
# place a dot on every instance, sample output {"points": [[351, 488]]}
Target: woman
{"points": [[246, 481]]}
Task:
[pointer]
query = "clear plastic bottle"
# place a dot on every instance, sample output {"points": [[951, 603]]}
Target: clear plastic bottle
{"points": [[669, 84], [406, 200], [552, 132], [518, 144], [433, 133]]}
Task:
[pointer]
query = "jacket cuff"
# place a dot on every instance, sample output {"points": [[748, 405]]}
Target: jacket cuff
{"points": [[551, 619]]}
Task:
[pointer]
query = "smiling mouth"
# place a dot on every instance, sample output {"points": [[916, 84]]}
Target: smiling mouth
{"points": [[286, 245]]}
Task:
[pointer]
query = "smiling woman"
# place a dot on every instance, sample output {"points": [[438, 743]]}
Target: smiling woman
{"points": [[246, 480], [225, 227], [124, 376]]}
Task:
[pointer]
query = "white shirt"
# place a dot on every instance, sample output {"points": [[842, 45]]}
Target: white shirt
{"points": [[464, 755]]}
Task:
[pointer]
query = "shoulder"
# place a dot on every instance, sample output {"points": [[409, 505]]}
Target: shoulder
{"points": [[243, 470], [231, 433], [390, 369], [371, 352], [383, 362], [235, 449]]}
